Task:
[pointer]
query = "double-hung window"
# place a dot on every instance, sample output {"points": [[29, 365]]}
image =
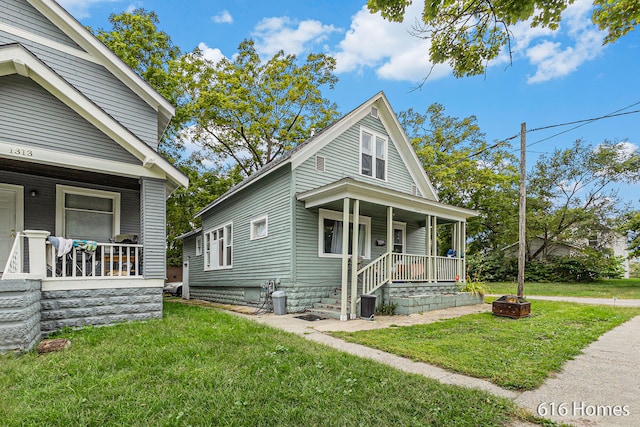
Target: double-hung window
{"points": [[218, 247], [373, 154], [84, 213], [331, 229]]}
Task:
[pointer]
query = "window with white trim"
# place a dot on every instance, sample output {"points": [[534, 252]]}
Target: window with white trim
{"points": [[218, 247], [84, 213], [198, 245], [259, 227], [373, 154], [399, 237], [330, 232]]}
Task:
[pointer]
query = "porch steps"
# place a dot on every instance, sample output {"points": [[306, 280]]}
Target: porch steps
{"points": [[329, 307]]}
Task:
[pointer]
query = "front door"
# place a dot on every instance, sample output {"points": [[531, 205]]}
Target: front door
{"points": [[11, 218]]}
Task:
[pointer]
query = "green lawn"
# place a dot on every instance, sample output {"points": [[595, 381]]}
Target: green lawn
{"points": [[514, 354], [200, 366], [619, 288]]}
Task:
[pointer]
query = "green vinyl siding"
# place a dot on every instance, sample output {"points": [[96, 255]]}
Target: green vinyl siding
{"points": [[342, 159], [254, 261]]}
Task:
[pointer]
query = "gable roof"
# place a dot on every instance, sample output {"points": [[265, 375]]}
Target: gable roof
{"points": [[83, 37], [16, 59], [297, 155]]}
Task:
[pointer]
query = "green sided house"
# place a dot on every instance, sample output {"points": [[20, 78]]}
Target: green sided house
{"points": [[356, 187], [79, 161]]}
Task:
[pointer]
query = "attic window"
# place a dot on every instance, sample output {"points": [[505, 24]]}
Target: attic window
{"points": [[374, 112], [320, 162], [373, 154]]}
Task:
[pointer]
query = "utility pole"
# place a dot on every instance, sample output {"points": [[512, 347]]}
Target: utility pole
{"points": [[522, 210]]}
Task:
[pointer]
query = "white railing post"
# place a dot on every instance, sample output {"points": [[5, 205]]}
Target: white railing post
{"points": [[37, 253]]}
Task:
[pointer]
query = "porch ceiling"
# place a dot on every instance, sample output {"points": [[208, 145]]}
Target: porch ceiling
{"points": [[84, 177], [375, 200]]}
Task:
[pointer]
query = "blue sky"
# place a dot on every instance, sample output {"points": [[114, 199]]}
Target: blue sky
{"points": [[555, 77]]}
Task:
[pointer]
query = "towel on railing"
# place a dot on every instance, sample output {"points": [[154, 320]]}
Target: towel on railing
{"points": [[86, 245], [61, 244]]}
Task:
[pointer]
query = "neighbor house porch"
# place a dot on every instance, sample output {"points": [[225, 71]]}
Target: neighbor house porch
{"points": [[112, 265], [399, 238]]}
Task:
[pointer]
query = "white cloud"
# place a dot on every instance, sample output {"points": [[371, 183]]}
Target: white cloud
{"points": [[80, 8], [281, 33], [212, 54], [576, 42], [387, 47], [224, 17]]}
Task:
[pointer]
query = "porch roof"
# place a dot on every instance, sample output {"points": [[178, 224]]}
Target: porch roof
{"points": [[332, 194]]}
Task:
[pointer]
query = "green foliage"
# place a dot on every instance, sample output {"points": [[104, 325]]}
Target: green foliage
{"points": [[184, 203], [572, 196], [631, 228], [248, 110], [635, 270], [513, 354], [385, 309], [587, 266], [475, 286], [136, 39], [168, 371], [616, 17], [467, 34], [467, 171]]}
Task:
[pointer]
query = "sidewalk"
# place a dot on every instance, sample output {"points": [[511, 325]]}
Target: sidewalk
{"points": [[598, 388]]}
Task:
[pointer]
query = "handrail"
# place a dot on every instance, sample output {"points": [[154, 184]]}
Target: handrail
{"points": [[374, 275], [14, 262], [113, 260]]}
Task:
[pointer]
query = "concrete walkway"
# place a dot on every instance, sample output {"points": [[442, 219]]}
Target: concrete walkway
{"points": [[600, 387]]}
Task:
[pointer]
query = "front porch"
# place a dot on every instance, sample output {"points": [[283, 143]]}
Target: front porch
{"points": [[437, 240]]}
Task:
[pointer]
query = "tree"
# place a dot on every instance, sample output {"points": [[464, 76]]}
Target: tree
{"points": [[466, 171], [467, 34], [571, 193], [631, 228], [150, 52], [248, 111], [204, 187]]}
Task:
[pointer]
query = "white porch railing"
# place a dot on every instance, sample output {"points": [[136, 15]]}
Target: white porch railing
{"points": [[447, 269], [14, 265], [408, 268], [113, 260]]}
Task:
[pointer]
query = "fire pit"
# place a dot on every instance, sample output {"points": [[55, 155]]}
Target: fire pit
{"points": [[511, 306]]}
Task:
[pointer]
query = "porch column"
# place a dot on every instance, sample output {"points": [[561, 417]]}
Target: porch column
{"points": [[345, 258], [389, 241], [463, 251], [455, 238], [37, 253], [427, 249], [355, 251], [434, 246]]}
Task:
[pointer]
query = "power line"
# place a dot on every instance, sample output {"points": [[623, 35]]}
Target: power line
{"points": [[583, 123], [580, 123]]}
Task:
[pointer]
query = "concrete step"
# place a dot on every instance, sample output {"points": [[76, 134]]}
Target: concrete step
{"points": [[324, 306], [333, 301], [331, 314]]}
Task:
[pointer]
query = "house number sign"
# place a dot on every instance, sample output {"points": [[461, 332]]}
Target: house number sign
{"points": [[17, 151]]}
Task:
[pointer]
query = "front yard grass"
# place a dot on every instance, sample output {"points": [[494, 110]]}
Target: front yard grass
{"points": [[201, 366], [514, 354], [605, 288]]}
